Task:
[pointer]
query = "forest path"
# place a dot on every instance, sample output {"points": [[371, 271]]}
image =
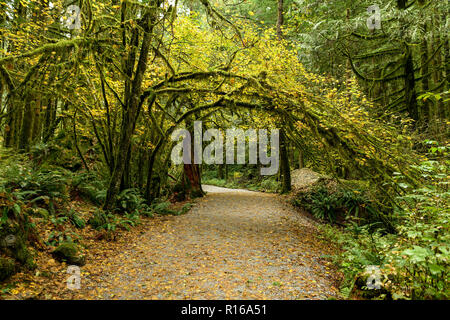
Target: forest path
{"points": [[233, 244]]}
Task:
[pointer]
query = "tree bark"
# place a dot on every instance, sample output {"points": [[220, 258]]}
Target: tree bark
{"points": [[220, 173], [301, 160], [284, 163], [131, 112], [284, 157], [425, 112], [409, 80], [191, 174], [27, 127], [280, 19]]}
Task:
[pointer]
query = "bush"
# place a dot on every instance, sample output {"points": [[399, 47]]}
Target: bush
{"points": [[57, 237], [179, 192], [90, 187], [339, 204], [266, 185], [214, 182], [130, 201], [419, 263], [361, 248], [414, 262], [75, 219], [270, 185], [44, 187], [98, 219], [58, 153], [162, 208]]}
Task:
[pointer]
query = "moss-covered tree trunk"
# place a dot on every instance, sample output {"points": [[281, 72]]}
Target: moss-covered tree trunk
{"points": [[10, 128], [36, 134], [285, 170], [27, 127], [149, 193], [301, 159], [132, 102], [409, 80], [220, 171], [284, 163], [439, 67], [447, 69], [425, 111], [49, 125], [280, 18]]}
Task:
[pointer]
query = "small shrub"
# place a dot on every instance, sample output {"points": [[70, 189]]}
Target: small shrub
{"points": [[98, 219], [162, 208], [270, 185], [90, 187], [130, 200], [414, 261], [332, 205], [56, 237], [75, 219], [185, 208]]}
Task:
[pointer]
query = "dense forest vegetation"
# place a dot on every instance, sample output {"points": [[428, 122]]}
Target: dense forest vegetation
{"points": [[91, 92]]}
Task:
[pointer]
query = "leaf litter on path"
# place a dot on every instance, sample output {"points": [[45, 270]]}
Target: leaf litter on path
{"points": [[233, 244]]}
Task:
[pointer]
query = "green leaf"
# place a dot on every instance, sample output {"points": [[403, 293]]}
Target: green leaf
{"points": [[418, 254], [16, 208], [436, 269]]}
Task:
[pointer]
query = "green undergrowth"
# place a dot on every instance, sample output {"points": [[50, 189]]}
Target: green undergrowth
{"points": [[238, 180], [336, 202], [413, 261], [35, 188]]}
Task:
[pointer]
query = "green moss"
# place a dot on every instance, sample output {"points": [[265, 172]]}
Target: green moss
{"points": [[68, 252], [7, 268], [24, 256], [13, 235]]}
